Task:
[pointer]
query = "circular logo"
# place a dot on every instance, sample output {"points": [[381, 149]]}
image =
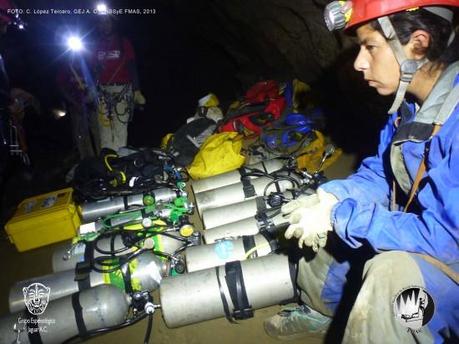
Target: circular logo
{"points": [[413, 307]]}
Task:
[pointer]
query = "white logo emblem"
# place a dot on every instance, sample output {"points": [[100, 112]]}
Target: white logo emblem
{"points": [[413, 307], [36, 298]]}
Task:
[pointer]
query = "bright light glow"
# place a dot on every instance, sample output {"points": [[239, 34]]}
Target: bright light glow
{"points": [[58, 113], [102, 8], [75, 43]]}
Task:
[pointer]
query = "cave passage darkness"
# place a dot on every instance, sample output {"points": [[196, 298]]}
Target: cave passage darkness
{"points": [[184, 51]]}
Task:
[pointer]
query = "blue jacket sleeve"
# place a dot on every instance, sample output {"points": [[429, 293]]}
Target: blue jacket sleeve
{"points": [[370, 183], [433, 231]]}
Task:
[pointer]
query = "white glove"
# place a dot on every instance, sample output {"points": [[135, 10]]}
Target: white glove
{"points": [[139, 99], [309, 219]]}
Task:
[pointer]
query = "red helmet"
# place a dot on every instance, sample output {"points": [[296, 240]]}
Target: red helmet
{"points": [[339, 14]]}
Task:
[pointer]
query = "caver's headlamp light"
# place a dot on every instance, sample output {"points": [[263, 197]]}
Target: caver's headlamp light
{"points": [[75, 43], [337, 14]]}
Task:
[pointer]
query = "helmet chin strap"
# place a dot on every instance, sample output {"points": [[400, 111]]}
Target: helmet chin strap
{"points": [[408, 67]]}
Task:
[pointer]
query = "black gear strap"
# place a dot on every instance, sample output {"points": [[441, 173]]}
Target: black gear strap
{"points": [[235, 282], [223, 297], [249, 243], [78, 311], [261, 204], [83, 269], [126, 271], [249, 190]]}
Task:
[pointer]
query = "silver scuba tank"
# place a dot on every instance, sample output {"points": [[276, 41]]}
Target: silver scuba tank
{"points": [[250, 226], [233, 290], [101, 307], [143, 215], [215, 217], [242, 191], [226, 250], [67, 256], [233, 177], [146, 273], [91, 211]]}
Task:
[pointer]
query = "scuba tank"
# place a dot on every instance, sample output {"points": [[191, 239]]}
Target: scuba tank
{"points": [[145, 272], [172, 212], [216, 217], [234, 177], [66, 257], [270, 221], [249, 188], [91, 211], [234, 290], [95, 308], [227, 250]]}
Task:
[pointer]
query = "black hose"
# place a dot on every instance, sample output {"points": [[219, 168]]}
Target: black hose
{"points": [[149, 327], [277, 179]]}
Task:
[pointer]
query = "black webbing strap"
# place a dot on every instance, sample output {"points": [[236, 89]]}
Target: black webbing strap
{"points": [[261, 204], [238, 293], [249, 190], [83, 269], [223, 297], [125, 202], [249, 242], [78, 310], [126, 272], [33, 329]]}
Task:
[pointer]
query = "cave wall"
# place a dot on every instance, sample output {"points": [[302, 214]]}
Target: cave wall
{"points": [[285, 39], [264, 39]]}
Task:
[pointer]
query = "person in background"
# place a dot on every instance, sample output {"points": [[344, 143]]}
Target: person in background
{"points": [[10, 104], [117, 81], [81, 104], [397, 217]]}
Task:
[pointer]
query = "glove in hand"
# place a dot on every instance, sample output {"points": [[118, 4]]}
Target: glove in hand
{"points": [[309, 218]]}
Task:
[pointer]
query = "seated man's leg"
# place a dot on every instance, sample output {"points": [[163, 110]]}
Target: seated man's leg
{"points": [[373, 318]]}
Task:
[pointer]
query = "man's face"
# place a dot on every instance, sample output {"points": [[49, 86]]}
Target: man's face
{"points": [[376, 61]]}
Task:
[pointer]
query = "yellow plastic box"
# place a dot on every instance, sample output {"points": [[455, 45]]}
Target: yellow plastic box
{"points": [[43, 220]]}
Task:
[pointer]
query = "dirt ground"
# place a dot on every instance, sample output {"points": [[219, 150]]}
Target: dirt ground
{"points": [[18, 266]]}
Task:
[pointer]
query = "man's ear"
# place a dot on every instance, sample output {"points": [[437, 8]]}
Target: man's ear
{"points": [[418, 44]]}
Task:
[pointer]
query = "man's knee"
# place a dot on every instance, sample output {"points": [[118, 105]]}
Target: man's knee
{"points": [[390, 264]]}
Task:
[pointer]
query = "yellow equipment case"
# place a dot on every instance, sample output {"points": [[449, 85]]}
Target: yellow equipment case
{"points": [[44, 219]]}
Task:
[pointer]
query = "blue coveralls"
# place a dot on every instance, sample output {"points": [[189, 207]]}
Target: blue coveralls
{"points": [[363, 216]]}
